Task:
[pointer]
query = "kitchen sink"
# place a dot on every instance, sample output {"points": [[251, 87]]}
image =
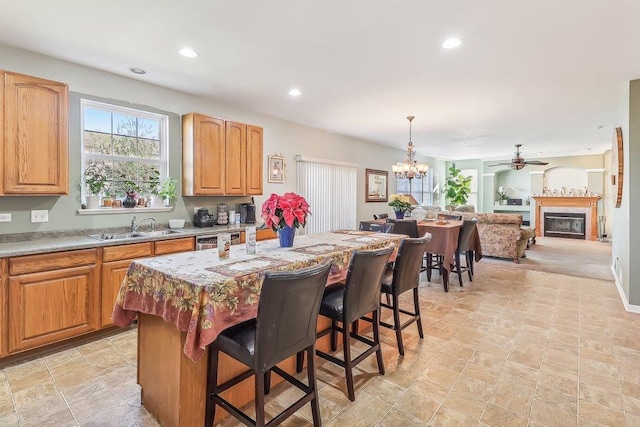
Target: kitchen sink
{"points": [[135, 235]]}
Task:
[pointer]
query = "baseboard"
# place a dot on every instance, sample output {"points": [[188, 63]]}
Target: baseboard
{"points": [[631, 308]]}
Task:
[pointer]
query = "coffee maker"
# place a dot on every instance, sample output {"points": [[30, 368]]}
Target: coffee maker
{"points": [[203, 219], [248, 213]]}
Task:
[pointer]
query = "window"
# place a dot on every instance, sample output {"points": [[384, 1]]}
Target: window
{"points": [[129, 147], [473, 196], [421, 189]]}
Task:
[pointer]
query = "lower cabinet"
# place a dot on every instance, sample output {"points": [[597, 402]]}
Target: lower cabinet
{"points": [[51, 306], [46, 298]]}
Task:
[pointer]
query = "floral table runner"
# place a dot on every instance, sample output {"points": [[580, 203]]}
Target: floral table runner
{"points": [[203, 295]]}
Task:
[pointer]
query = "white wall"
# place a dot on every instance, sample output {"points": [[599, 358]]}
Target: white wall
{"points": [[280, 136]]}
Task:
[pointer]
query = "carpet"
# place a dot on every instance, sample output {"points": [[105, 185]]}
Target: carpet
{"points": [[582, 258]]}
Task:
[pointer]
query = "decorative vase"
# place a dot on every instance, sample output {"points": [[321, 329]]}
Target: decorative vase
{"points": [[399, 214], [286, 236], [129, 201]]}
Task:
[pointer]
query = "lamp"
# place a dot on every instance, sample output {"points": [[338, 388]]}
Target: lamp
{"points": [[410, 168]]}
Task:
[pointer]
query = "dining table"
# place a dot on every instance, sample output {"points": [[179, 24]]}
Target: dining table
{"points": [[444, 242], [183, 301]]}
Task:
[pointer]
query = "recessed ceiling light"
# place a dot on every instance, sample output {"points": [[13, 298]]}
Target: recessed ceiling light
{"points": [[137, 70], [188, 52], [295, 92], [451, 43]]}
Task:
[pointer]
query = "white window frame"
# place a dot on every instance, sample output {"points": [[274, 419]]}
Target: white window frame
{"points": [[163, 130], [425, 191]]}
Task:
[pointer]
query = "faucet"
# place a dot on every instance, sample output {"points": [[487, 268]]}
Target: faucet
{"points": [[135, 224]]}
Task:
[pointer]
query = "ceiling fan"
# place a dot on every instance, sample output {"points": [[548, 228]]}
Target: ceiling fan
{"points": [[518, 161]]}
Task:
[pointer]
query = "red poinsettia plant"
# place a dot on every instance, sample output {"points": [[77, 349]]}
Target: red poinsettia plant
{"points": [[289, 209]]}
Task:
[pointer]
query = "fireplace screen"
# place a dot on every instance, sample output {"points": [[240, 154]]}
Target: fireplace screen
{"points": [[567, 225]]}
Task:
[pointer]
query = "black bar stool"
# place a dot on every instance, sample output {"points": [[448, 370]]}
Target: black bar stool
{"points": [[404, 226], [405, 276], [349, 302], [285, 325], [464, 241]]}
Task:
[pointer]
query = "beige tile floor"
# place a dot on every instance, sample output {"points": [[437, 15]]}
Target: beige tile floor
{"points": [[514, 348]]}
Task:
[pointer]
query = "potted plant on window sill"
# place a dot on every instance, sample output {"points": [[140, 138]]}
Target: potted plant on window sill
{"points": [[95, 182], [168, 190]]}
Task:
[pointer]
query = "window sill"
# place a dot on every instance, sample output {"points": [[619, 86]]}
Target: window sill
{"points": [[113, 211]]}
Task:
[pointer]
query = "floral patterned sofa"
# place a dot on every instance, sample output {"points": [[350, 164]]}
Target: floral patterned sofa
{"points": [[501, 235]]}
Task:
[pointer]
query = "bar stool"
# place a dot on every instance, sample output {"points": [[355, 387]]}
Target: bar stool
{"points": [[349, 302], [286, 324], [404, 226], [464, 241], [404, 277]]}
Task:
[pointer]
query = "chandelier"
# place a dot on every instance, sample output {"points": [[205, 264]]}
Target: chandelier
{"points": [[410, 168]]}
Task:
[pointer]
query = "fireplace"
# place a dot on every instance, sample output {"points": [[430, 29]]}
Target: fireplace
{"points": [[564, 224], [587, 206]]}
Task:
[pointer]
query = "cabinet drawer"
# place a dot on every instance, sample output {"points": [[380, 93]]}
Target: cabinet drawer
{"points": [[136, 250], [52, 261], [173, 246]]}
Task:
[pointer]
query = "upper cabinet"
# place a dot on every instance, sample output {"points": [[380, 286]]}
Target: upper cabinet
{"points": [[220, 157], [34, 144]]}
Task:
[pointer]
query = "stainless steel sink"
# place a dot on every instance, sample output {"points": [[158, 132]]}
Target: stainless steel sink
{"points": [[136, 235], [119, 236]]}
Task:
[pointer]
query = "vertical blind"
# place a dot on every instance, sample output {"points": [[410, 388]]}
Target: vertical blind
{"points": [[330, 190]]}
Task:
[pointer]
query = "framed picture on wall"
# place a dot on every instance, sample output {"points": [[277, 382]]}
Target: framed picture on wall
{"points": [[377, 186], [276, 168]]}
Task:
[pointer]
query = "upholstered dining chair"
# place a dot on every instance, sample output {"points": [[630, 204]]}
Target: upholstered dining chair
{"points": [[404, 277], [408, 227], [347, 303], [364, 226], [464, 241], [285, 325]]}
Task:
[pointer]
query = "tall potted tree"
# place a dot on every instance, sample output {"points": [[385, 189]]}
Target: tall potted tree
{"points": [[458, 188]]}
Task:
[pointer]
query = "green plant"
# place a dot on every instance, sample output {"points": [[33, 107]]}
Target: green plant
{"points": [[399, 202], [168, 188], [458, 187], [503, 193], [95, 180]]}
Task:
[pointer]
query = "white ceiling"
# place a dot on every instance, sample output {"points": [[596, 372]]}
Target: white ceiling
{"points": [[542, 73]]}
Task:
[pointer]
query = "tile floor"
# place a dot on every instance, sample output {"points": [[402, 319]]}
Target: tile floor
{"points": [[515, 348]]}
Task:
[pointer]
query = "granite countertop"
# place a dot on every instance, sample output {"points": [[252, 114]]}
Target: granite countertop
{"points": [[39, 243]]}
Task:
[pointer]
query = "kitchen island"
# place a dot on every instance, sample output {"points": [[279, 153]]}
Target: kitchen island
{"points": [[183, 301]]}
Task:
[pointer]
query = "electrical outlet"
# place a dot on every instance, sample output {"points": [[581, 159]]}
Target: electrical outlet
{"points": [[5, 217], [39, 216]]}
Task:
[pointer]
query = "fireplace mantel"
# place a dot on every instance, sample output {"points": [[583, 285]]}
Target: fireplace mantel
{"points": [[590, 202]]}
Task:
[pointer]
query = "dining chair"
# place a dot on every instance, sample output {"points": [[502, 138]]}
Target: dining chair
{"points": [[364, 226], [285, 325], [404, 277], [346, 303], [380, 216], [408, 227], [381, 228], [450, 217], [464, 241]]}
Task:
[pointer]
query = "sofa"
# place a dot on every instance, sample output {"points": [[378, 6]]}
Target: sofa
{"points": [[501, 235]]}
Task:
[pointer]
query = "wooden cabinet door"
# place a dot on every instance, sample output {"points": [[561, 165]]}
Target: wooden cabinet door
{"points": [[49, 307], [254, 160], [36, 140], [203, 155], [236, 160], [112, 276], [165, 247]]}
